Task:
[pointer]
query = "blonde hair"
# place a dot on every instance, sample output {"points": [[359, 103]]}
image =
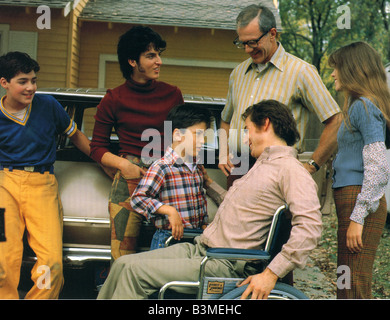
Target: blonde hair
{"points": [[361, 74]]}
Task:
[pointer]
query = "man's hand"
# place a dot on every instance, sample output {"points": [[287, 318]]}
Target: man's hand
{"points": [[260, 285], [310, 168]]}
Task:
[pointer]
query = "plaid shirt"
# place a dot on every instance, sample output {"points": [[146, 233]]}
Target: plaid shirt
{"points": [[169, 181]]}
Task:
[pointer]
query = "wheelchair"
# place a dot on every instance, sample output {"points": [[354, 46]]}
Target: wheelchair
{"points": [[222, 288]]}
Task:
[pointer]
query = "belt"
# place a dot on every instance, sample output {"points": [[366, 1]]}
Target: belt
{"points": [[40, 169]]}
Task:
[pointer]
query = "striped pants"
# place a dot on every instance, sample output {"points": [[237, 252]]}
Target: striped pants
{"points": [[360, 264]]}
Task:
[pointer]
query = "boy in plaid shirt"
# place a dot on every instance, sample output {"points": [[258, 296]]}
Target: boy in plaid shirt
{"points": [[171, 192]]}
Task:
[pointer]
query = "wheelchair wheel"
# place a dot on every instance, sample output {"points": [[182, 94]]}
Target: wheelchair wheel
{"points": [[281, 291]]}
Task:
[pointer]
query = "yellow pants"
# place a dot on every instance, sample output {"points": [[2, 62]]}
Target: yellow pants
{"points": [[31, 203]]}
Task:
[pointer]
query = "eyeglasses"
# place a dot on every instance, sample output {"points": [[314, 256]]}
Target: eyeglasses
{"points": [[250, 43]]}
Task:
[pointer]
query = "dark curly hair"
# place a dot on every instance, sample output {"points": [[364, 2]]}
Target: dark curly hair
{"points": [[14, 62], [135, 41], [279, 115], [188, 114]]}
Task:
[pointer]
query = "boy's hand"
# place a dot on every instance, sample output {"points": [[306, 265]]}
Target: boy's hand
{"points": [[176, 223]]}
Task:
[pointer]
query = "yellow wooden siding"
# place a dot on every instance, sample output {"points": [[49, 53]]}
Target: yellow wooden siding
{"points": [[113, 75], [96, 39], [212, 82], [202, 44], [52, 43]]}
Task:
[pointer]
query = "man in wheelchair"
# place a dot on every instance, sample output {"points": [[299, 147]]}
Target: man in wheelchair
{"points": [[242, 221]]}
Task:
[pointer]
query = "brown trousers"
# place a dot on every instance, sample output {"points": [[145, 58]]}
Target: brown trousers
{"points": [[360, 264], [125, 222]]}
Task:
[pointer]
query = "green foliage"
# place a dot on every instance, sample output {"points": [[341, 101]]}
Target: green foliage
{"points": [[311, 30]]}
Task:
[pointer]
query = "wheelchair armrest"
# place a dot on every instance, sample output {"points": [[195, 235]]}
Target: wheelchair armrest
{"points": [[187, 234], [237, 254], [190, 233]]}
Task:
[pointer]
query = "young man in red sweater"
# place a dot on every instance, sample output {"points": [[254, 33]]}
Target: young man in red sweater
{"points": [[139, 104]]}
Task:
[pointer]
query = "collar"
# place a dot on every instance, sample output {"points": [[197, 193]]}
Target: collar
{"points": [[274, 152], [12, 117], [141, 87], [276, 60], [172, 157]]}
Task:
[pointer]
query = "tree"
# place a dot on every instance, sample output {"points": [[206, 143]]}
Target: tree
{"points": [[311, 28], [371, 18]]}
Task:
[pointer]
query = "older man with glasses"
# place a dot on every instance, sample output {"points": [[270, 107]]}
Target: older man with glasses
{"points": [[272, 73]]}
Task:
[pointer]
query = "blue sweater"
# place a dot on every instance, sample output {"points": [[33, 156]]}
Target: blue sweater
{"points": [[367, 125]]}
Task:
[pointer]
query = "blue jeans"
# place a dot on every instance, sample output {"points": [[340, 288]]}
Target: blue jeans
{"points": [[159, 238]]}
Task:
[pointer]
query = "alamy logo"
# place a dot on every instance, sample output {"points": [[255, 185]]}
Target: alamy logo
{"points": [[344, 280], [44, 21], [44, 280], [344, 21]]}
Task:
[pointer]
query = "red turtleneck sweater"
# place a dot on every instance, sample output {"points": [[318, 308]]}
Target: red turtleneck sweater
{"points": [[131, 109]]}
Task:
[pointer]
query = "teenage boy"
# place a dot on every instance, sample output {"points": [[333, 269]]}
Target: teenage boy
{"points": [[29, 124], [171, 192], [141, 103]]}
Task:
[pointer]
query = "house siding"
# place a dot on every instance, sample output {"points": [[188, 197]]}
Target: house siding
{"points": [[52, 43]]}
